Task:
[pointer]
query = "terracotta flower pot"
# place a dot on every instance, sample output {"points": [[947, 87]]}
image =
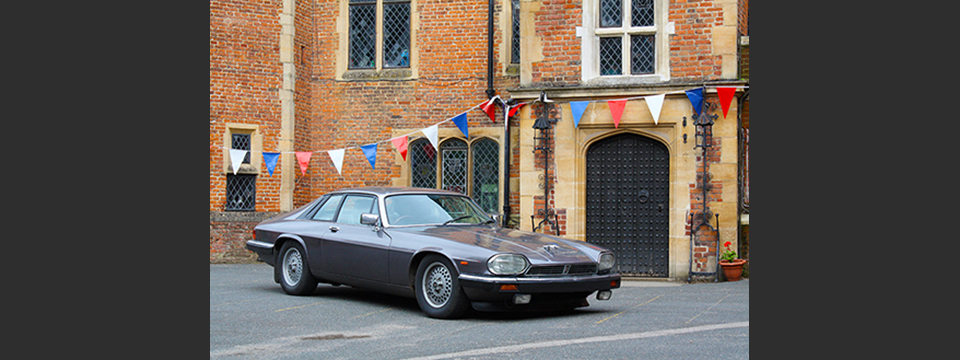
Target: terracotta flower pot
{"points": [[732, 269]]}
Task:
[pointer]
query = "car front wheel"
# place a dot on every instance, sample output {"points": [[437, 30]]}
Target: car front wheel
{"points": [[295, 277], [438, 289]]}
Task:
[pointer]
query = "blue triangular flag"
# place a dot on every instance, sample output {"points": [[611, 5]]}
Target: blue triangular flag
{"points": [[270, 158], [577, 108], [461, 121], [370, 151], [696, 99]]}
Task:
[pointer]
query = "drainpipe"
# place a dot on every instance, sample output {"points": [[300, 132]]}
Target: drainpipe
{"points": [[490, 91], [506, 164]]}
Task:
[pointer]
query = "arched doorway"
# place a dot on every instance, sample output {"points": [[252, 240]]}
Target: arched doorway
{"points": [[628, 202]]}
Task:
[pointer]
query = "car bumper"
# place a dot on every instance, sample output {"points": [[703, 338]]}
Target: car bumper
{"points": [[496, 288], [262, 249]]}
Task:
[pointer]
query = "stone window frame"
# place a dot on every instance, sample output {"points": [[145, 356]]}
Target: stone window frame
{"points": [[591, 32], [344, 73], [256, 148]]}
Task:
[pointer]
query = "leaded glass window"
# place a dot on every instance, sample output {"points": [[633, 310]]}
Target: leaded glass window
{"points": [[363, 34], [423, 164], [241, 142], [627, 42], [453, 155], [611, 56], [515, 38], [396, 33], [486, 170], [641, 54], [241, 192], [394, 36]]}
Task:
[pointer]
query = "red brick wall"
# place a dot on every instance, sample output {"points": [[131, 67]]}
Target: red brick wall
{"points": [[691, 44], [245, 76]]}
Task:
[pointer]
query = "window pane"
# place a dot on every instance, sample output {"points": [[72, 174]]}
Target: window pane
{"points": [[423, 164], [515, 41], [396, 34], [329, 209], [352, 207], [363, 34], [486, 174], [241, 142], [611, 13], [642, 13], [641, 54], [611, 56], [241, 192], [454, 171]]}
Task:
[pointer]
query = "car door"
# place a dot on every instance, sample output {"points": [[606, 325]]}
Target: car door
{"points": [[352, 249]]}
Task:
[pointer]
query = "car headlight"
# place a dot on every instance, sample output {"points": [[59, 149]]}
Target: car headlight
{"points": [[606, 261], [507, 264]]}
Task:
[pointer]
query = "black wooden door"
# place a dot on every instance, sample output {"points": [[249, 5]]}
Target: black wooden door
{"points": [[628, 202]]}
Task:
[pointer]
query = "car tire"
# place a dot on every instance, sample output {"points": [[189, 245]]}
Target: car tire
{"points": [[438, 290], [294, 271]]}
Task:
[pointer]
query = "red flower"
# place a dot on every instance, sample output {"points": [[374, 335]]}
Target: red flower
{"points": [[726, 244]]}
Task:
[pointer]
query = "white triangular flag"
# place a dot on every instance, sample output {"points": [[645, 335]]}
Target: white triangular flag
{"points": [[337, 157], [431, 133], [654, 102], [236, 157]]}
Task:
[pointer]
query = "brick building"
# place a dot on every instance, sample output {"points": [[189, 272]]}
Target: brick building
{"points": [[309, 77]]}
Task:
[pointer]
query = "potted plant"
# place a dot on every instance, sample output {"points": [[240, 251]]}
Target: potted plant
{"points": [[732, 267]]}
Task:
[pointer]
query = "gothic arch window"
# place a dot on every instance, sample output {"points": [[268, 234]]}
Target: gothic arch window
{"points": [[471, 168]]}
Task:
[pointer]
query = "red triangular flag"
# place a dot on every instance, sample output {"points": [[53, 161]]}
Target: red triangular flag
{"points": [[513, 109], [490, 108], [401, 144], [304, 159], [726, 94], [616, 110]]}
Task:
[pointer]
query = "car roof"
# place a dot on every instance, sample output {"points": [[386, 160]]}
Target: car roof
{"points": [[393, 190]]}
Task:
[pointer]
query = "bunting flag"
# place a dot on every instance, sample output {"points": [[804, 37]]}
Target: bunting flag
{"points": [[513, 109], [577, 108], [431, 134], [616, 110], [270, 158], [370, 151], [236, 157], [654, 102], [726, 94], [337, 157], [490, 107], [461, 121], [303, 157], [401, 144], [696, 99]]}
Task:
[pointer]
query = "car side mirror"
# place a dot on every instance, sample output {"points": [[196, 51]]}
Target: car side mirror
{"points": [[496, 218], [369, 219]]}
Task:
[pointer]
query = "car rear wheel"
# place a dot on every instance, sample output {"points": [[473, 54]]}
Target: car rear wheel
{"points": [[295, 277], [438, 290]]}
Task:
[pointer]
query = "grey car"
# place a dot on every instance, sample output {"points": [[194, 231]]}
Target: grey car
{"points": [[433, 245]]}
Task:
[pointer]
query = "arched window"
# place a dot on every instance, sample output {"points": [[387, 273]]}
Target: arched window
{"points": [[486, 174], [423, 164], [471, 169]]}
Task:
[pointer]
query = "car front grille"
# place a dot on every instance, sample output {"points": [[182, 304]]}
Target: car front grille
{"points": [[560, 270]]}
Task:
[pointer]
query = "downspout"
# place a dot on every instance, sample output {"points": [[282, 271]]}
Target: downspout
{"points": [[490, 91]]}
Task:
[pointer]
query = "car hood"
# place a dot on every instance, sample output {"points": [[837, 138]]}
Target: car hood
{"points": [[538, 248]]}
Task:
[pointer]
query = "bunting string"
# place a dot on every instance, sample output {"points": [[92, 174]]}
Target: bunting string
{"points": [[577, 108]]}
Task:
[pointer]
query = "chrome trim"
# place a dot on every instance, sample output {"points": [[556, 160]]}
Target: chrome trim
{"points": [[534, 280], [259, 244]]}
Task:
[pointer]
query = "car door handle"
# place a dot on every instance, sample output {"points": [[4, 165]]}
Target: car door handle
{"points": [[334, 228]]}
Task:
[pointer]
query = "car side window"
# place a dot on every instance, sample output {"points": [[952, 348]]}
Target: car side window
{"points": [[329, 209], [353, 206]]}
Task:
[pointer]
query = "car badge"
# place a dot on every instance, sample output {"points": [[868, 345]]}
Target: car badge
{"points": [[551, 248]]}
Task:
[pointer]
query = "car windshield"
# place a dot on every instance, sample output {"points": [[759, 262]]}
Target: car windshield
{"points": [[423, 209]]}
